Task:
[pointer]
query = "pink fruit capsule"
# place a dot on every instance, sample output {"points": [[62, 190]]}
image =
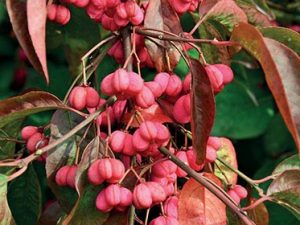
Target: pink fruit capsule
{"points": [[182, 109], [171, 207], [105, 169], [163, 134], [234, 196], [28, 131], [142, 198], [226, 71], [157, 192], [174, 86], [117, 141], [187, 83], [145, 98], [155, 88], [148, 130], [101, 202], [120, 80], [161, 220], [118, 171], [126, 197], [240, 191], [106, 85], [81, 3], [78, 98], [61, 176], [211, 154], [191, 155], [216, 78], [71, 176], [94, 12], [183, 157], [51, 12], [136, 84], [93, 173], [63, 15], [214, 142], [138, 142], [163, 80], [33, 142], [92, 97], [128, 146], [113, 194]]}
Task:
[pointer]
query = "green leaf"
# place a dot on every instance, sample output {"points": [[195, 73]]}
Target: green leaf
{"points": [[11, 130], [256, 15], [89, 155], [291, 163], [81, 34], [15, 108], [227, 154], [5, 213], [243, 109], [62, 122], [84, 211], [277, 138], [227, 12], [285, 190], [24, 198], [277, 61], [284, 35]]}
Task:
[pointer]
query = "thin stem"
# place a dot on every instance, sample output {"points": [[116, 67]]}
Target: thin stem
{"points": [[197, 25], [257, 202], [209, 185], [131, 215], [23, 163], [243, 176], [167, 37], [126, 35]]}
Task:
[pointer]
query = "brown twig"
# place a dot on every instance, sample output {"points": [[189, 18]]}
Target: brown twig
{"points": [[217, 191], [23, 163], [162, 35]]}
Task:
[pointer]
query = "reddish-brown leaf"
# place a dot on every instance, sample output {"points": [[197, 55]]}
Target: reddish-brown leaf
{"points": [[227, 154], [28, 19], [259, 214], [203, 109], [281, 66], [226, 10], [197, 205], [153, 113], [161, 16], [32, 102]]}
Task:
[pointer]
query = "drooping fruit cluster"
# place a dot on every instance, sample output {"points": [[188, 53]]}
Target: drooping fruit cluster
{"points": [[237, 193], [65, 176], [58, 14], [34, 138]]}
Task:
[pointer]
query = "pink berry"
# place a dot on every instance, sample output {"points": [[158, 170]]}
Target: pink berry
{"points": [[93, 173], [163, 80], [117, 141], [61, 176], [63, 15], [101, 202], [158, 194], [92, 97], [78, 98], [51, 12], [138, 142], [187, 83], [171, 207], [174, 86], [145, 98], [211, 154], [226, 71], [28, 131], [234, 196], [142, 198], [118, 171], [155, 88], [71, 176], [240, 191], [214, 142], [182, 109], [183, 157], [33, 142]]}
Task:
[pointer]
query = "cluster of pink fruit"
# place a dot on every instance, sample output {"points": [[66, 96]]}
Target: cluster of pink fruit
{"points": [[114, 14], [34, 138]]}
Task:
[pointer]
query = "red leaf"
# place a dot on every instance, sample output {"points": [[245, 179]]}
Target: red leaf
{"points": [[203, 109], [197, 205], [28, 19], [153, 113], [161, 16], [281, 66]]}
